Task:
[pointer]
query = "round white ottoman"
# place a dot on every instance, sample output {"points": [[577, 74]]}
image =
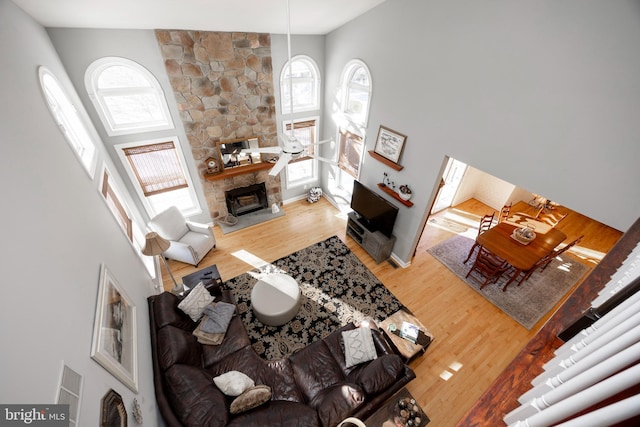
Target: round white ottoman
{"points": [[275, 299]]}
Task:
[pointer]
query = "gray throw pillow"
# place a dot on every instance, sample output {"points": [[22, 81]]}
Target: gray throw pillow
{"points": [[218, 316], [358, 346]]}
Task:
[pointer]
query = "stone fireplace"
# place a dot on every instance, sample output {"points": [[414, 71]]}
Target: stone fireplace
{"points": [[223, 84], [244, 200]]}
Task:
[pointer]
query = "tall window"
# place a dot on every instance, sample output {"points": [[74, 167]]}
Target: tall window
{"points": [[120, 211], [355, 98], [127, 96], [157, 169], [304, 169], [305, 83], [73, 127], [356, 89]]}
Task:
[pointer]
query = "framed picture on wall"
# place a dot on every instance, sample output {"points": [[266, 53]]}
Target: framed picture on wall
{"points": [[389, 144], [114, 344]]}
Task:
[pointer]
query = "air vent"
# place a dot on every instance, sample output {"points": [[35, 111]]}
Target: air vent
{"points": [[70, 392]]}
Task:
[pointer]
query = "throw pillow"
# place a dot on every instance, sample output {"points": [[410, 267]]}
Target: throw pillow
{"points": [[218, 316], [251, 398], [358, 346], [195, 302], [233, 383]]}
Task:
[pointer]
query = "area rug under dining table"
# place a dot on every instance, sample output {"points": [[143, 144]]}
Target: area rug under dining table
{"points": [[337, 288], [527, 303]]}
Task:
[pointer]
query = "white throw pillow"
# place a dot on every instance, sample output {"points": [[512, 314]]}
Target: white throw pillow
{"points": [[195, 302], [233, 383], [358, 346]]}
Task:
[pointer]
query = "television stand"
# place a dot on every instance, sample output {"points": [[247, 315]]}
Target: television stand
{"points": [[375, 243]]}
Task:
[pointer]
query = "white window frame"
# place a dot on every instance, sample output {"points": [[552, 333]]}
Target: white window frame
{"points": [[151, 211], [98, 95], [314, 80], [137, 239], [290, 183], [349, 122], [75, 127], [346, 88]]}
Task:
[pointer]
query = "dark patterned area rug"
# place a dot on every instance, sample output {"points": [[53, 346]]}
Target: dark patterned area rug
{"points": [[337, 288], [526, 303]]}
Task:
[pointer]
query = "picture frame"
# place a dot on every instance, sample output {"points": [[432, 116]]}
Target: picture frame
{"points": [[389, 144], [114, 413], [115, 343]]}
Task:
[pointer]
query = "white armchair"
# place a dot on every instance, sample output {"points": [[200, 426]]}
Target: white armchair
{"points": [[190, 241]]}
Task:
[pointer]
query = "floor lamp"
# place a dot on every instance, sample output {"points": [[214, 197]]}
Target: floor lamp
{"points": [[156, 245]]}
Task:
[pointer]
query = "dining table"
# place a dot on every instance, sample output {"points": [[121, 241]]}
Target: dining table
{"points": [[522, 257]]}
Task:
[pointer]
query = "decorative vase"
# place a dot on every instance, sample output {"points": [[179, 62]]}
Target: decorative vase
{"points": [[404, 196]]}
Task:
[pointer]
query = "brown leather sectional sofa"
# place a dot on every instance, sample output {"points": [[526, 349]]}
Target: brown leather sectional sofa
{"points": [[312, 387]]}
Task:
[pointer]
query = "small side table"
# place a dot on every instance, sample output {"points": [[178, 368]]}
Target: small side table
{"points": [[384, 416], [406, 348], [206, 275]]}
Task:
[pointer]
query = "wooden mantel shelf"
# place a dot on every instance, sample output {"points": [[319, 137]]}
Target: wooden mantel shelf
{"points": [[240, 170], [395, 195]]}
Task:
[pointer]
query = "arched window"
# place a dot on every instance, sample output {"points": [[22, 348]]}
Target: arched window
{"points": [[66, 115], [356, 89], [127, 96], [305, 83]]}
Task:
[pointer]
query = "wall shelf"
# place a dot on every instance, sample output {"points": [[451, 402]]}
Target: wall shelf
{"points": [[387, 162], [240, 170], [394, 194]]}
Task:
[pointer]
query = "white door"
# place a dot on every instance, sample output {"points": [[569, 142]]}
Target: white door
{"points": [[452, 177]]}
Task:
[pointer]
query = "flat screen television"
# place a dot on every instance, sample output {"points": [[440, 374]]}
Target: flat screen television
{"points": [[376, 213]]}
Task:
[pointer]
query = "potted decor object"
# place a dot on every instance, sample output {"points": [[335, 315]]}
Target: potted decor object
{"points": [[404, 192]]}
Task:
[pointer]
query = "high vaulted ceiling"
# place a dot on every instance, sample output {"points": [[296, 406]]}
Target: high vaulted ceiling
{"points": [[263, 16]]}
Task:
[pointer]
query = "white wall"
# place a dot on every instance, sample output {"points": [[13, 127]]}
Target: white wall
{"points": [[79, 47], [541, 94], [56, 231]]}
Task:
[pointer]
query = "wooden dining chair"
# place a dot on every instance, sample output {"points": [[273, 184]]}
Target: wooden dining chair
{"points": [[504, 213], [486, 222], [489, 266], [546, 260]]}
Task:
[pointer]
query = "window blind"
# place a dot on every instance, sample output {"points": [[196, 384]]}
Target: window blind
{"points": [[116, 207], [156, 167], [305, 132], [350, 153]]}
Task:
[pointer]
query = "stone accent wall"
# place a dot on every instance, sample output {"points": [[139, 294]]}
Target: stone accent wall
{"points": [[223, 83]]}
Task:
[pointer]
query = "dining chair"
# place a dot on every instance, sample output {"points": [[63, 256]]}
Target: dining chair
{"points": [[486, 222], [504, 213], [546, 260], [488, 265]]}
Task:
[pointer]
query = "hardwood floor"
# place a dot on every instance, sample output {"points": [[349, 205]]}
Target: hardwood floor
{"points": [[474, 340]]}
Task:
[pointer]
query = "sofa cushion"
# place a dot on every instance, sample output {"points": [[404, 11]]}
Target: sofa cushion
{"points": [[337, 402], [166, 312], [235, 339], [194, 398], [378, 375], [358, 346], [315, 369], [277, 413], [177, 346], [251, 398]]}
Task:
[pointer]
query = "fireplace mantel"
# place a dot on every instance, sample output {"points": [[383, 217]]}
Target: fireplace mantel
{"points": [[228, 173]]}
